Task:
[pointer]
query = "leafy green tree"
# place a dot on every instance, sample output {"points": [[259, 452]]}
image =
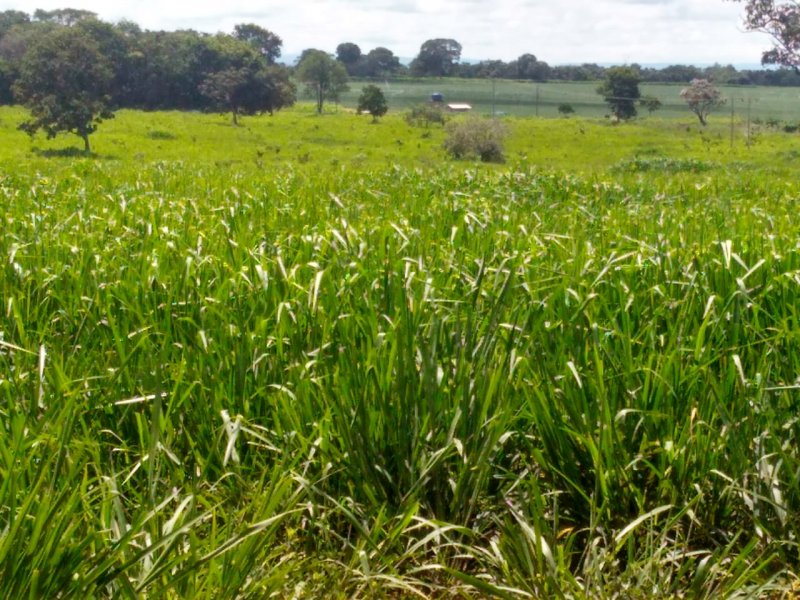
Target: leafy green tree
{"points": [[372, 101], [249, 90], [11, 18], [324, 77], [65, 81], [780, 19], [650, 103], [267, 43], [529, 67], [381, 62], [702, 97], [349, 55], [437, 58], [620, 90]]}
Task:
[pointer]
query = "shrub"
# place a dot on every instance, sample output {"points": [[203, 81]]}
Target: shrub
{"points": [[479, 138], [423, 115], [565, 109]]}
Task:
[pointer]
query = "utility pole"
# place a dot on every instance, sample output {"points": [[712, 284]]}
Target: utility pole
{"points": [[494, 112]]}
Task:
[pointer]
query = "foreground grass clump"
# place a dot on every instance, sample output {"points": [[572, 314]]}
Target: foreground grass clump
{"points": [[218, 382]]}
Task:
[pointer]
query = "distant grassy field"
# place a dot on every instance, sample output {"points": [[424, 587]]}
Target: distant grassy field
{"points": [[301, 139], [543, 99], [311, 357]]}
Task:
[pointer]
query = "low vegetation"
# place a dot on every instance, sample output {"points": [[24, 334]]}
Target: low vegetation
{"points": [[476, 138]]}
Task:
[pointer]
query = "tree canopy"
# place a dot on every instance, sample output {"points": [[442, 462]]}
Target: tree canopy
{"points": [[780, 19], [702, 97], [437, 58], [267, 43], [372, 101], [620, 90], [324, 77], [65, 81]]}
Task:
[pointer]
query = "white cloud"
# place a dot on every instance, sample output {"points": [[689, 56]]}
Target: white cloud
{"points": [[603, 31]]}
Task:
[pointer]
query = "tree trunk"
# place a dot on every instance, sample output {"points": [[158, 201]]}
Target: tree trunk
{"points": [[319, 99], [87, 149], [235, 117]]}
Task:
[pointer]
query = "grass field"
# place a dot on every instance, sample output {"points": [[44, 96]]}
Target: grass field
{"points": [[310, 357], [543, 99]]}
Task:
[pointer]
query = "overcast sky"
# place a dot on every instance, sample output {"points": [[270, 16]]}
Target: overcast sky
{"points": [[559, 32]]}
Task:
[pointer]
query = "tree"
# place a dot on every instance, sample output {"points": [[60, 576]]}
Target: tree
{"points": [[373, 102], [702, 97], [324, 77], [528, 67], [267, 43], [10, 18], [437, 58], [65, 81], [380, 62], [249, 90], [780, 19], [620, 90], [349, 55], [63, 16], [650, 103]]}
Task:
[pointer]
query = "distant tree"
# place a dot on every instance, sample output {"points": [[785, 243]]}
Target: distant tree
{"points": [[565, 109], [349, 55], [437, 58], [249, 90], [620, 90], [65, 81], [780, 19], [10, 18], [529, 67], [650, 103], [721, 74], [324, 77], [63, 16], [372, 101], [380, 62], [267, 43], [702, 97]]}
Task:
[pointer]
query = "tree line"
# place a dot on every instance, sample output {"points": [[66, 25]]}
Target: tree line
{"points": [[73, 70]]}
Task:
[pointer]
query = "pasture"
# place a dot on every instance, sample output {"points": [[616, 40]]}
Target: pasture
{"points": [[542, 99], [311, 357]]}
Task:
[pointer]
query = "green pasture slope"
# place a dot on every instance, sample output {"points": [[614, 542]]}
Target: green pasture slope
{"points": [[310, 357], [542, 99]]}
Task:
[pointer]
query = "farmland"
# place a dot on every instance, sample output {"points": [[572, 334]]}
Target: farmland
{"points": [[311, 357], [525, 98]]}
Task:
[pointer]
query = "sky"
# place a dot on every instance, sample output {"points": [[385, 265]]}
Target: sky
{"points": [[696, 32]]}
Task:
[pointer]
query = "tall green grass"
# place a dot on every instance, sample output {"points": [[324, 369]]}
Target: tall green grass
{"points": [[525, 357], [221, 381]]}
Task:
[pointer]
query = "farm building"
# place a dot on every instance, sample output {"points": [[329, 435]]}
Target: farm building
{"points": [[459, 107]]}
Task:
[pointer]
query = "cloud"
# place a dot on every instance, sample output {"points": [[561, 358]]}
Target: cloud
{"points": [[603, 31]]}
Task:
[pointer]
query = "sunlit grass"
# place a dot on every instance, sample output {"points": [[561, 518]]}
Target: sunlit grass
{"points": [[226, 379]]}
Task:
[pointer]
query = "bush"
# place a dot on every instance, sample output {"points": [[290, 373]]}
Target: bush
{"points": [[423, 115], [479, 138], [565, 109]]}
